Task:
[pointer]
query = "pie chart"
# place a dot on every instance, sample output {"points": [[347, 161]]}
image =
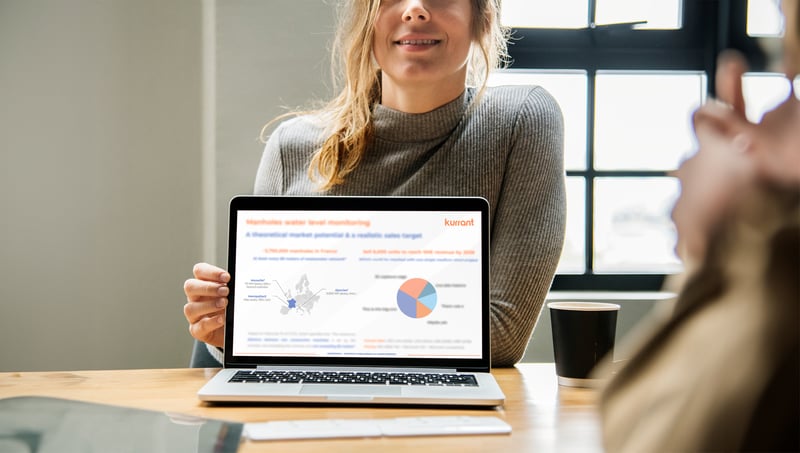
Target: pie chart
{"points": [[416, 298]]}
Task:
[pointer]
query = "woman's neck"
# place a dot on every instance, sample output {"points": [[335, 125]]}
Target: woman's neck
{"points": [[417, 97]]}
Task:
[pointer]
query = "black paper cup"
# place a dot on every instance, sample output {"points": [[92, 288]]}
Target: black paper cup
{"points": [[583, 334]]}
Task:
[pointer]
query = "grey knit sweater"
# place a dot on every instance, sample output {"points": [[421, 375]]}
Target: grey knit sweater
{"points": [[508, 149]]}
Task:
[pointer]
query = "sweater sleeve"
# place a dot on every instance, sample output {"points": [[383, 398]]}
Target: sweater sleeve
{"points": [[528, 226], [216, 353], [269, 177]]}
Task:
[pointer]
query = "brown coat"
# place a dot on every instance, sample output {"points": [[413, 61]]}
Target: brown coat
{"points": [[722, 372]]}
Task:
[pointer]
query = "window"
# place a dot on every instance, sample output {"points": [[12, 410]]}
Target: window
{"points": [[628, 74]]}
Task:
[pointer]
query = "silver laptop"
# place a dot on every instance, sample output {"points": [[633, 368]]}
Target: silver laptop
{"points": [[373, 300]]}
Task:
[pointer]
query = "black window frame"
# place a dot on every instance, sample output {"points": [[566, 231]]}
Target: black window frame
{"points": [[708, 27]]}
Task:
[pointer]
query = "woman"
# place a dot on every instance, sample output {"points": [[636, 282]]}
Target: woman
{"points": [[407, 123]]}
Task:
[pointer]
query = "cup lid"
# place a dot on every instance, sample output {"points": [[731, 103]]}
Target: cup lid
{"points": [[583, 306]]}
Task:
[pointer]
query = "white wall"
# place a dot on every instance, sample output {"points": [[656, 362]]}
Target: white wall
{"points": [[272, 57], [100, 113], [102, 151]]}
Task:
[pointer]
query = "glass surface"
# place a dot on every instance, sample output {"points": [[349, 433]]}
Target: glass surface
{"points": [[569, 90], [764, 18], [570, 14], [44, 425], [763, 92], [658, 14], [573, 257], [633, 231], [643, 119], [322, 282]]}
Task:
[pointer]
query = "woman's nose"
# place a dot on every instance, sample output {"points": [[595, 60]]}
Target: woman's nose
{"points": [[415, 11]]}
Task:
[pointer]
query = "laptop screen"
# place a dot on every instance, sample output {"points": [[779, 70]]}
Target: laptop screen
{"points": [[338, 278]]}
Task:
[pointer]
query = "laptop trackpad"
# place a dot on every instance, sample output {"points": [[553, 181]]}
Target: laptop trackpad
{"points": [[351, 389]]}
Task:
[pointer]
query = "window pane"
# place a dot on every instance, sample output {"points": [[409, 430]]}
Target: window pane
{"points": [[763, 92], [545, 13], [633, 231], [764, 18], [569, 89], [573, 258], [643, 119], [659, 14]]}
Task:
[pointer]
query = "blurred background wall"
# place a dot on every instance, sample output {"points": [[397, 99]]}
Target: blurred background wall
{"points": [[125, 126]]}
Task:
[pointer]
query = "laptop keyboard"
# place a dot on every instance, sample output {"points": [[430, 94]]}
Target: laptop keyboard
{"points": [[331, 377]]}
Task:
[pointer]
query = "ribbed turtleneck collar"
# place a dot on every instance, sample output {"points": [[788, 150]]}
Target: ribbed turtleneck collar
{"points": [[397, 126]]}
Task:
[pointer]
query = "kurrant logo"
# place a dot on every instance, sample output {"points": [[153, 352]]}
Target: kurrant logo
{"points": [[457, 223]]}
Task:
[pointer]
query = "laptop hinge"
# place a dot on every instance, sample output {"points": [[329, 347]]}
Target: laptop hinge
{"points": [[356, 368]]}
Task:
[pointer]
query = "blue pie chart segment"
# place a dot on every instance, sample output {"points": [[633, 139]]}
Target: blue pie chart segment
{"points": [[416, 298]]}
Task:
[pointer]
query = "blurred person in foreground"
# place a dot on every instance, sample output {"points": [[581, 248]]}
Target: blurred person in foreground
{"points": [[721, 371]]}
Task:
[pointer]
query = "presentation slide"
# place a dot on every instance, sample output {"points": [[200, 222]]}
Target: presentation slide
{"points": [[343, 283]]}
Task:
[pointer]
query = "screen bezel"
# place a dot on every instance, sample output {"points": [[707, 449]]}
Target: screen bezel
{"points": [[350, 203]]}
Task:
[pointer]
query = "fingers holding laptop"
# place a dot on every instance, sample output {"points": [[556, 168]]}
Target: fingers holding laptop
{"points": [[206, 298]]}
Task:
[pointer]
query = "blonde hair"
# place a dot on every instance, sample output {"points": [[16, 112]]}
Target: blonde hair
{"points": [[348, 116]]}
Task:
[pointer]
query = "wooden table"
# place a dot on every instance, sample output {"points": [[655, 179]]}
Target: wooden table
{"points": [[544, 417]]}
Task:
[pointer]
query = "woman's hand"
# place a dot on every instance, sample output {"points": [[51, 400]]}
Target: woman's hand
{"points": [[206, 296], [771, 144], [719, 170], [733, 155]]}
